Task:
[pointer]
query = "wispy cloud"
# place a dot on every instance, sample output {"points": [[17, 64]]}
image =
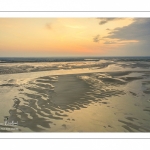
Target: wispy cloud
{"points": [[48, 26], [106, 20], [110, 42], [96, 38]]}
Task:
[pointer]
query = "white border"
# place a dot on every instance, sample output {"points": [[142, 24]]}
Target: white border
{"points": [[75, 135], [73, 14], [74, 5]]}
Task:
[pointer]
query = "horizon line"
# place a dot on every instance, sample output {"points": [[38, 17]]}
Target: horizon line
{"points": [[62, 56]]}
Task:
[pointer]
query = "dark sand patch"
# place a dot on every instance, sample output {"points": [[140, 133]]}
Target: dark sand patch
{"points": [[128, 79], [134, 94], [69, 89], [9, 85], [131, 118], [129, 126], [146, 109], [121, 73], [147, 91]]}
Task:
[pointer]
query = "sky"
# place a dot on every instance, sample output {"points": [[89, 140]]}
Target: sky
{"points": [[58, 37]]}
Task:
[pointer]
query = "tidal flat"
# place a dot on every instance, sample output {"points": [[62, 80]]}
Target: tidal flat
{"points": [[81, 96]]}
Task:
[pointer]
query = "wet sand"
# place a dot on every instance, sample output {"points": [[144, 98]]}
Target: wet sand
{"points": [[101, 101]]}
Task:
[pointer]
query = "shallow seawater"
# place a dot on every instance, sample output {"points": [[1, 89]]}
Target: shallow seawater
{"points": [[109, 99]]}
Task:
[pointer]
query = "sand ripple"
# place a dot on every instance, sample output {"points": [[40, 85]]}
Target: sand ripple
{"points": [[43, 101]]}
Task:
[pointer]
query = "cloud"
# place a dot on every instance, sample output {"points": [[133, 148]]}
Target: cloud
{"points": [[139, 31], [106, 20], [110, 42], [48, 26], [96, 38]]}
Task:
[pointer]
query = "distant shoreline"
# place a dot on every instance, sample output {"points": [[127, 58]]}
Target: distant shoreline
{"points": [[70, 59]]}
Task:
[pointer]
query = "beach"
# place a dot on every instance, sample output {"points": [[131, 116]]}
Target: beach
{"points": [[92, 95]]}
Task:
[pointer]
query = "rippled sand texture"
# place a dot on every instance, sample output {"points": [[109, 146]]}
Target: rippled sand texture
{"points": [[89, 102], [11, 68]]}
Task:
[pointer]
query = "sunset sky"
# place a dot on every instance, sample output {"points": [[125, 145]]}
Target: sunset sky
{"points": [[48, 37]]}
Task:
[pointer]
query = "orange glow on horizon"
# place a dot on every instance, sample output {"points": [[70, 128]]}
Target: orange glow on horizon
{"points": [[54, 36]]}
